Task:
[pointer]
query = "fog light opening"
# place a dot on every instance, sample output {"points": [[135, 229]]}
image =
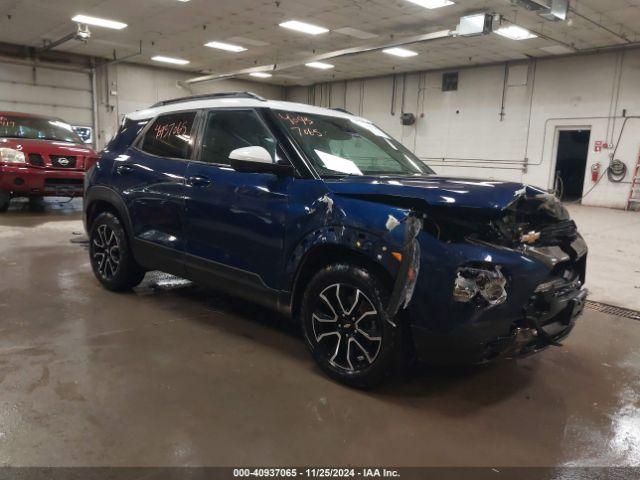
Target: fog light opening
{"points": [[472, 283]]}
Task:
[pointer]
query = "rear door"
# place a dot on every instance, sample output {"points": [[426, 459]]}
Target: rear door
{"points": [[150, 177], [235, 221]]}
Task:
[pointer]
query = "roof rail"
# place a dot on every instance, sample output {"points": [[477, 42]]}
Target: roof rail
{"points": [[209, 96], [343, 110]]}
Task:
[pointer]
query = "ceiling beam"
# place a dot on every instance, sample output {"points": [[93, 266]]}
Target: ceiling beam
{"points": [[324, 56]]}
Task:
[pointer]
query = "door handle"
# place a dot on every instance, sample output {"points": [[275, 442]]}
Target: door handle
{"points": [[199, 181], [122, 169]]}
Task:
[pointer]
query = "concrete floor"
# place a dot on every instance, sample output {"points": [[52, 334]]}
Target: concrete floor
{"points": [[176, 375]]}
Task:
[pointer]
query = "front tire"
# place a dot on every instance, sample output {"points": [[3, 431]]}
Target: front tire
{"points": [[346, 326], [111, 258]]}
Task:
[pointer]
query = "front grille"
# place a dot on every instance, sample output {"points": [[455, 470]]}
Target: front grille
{"points": [[63, 161], [63, 181], [36, 160]]}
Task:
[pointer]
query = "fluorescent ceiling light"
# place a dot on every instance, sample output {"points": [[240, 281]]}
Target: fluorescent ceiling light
{"points": [[431, 4], [229, 47], [248, 41], [354, 32], [320, 65], [99, 22], [260, 74], [304, 27], [175, 61], [514, 32], [400, 52], [558, 49]]}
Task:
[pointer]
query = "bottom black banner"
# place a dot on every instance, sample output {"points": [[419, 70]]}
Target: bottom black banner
{"points": [[404, 473]]}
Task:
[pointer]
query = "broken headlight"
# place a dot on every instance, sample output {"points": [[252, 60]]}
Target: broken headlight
{"points": [[488, 284]]}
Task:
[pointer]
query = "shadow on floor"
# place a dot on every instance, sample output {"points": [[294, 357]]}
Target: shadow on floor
{"points": [[412, 385]]}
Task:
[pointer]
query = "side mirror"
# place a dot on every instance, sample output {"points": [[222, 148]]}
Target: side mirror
{"points": [[257, 160]]}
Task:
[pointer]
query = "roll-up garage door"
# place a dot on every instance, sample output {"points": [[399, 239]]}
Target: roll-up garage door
{"points": [[40, 90]]}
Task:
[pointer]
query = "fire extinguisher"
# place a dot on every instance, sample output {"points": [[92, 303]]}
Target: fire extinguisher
{"points": [[595, 172]]}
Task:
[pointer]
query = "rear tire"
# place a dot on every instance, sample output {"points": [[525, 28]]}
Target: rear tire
{"points": [[346, 326], [111, 257], [36, 202], [5, 200]]}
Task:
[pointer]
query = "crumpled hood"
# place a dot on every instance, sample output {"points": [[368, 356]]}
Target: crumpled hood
{"points": [[436, 191]]}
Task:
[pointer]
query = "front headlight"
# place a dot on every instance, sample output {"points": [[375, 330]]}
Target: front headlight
{"points": [[11, 155], [479, 282]]}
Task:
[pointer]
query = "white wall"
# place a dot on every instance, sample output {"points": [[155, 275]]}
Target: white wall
{"points": [[67, 92], [461, 133], [123, 88]]}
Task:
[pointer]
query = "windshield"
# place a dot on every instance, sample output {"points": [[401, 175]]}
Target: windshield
{"points": [[349, 146], [37, 128]]}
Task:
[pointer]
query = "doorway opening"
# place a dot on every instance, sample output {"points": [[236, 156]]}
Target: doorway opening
{"points": [[571, 163]]}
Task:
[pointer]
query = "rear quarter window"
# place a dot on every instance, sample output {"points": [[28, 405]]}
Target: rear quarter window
{"points": [[170, 136]]}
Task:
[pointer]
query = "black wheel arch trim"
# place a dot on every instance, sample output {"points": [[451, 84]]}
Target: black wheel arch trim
{"points": [[101, 193]]}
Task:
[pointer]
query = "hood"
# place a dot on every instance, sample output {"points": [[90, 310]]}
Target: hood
{"points": [[47, 147], [488, 195]]}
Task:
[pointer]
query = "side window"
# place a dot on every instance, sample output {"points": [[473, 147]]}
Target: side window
{"points": [[170, 136], [227, 130]]}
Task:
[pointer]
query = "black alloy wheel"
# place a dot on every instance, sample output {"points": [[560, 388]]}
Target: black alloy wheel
{"points": [[346, 325], [111, 258], [106, 252]]}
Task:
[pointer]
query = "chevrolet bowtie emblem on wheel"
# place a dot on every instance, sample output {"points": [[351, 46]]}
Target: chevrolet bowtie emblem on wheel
{"points": [[63, 161], [531, 237]]}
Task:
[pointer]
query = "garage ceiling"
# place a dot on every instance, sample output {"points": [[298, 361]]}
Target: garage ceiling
{"points": [[180, 28]]}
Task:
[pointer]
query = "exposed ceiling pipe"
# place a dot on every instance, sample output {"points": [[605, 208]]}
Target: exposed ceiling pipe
{"points": [[122, 59], [325, 56]]}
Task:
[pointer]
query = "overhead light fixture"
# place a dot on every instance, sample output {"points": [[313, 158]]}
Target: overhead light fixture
{"points": [[475, 24], [175, 61], [260, 74], [229, 47], [99, 22], [432, 4], [304, 27], [515, 32], [400, 52], [320, 65], [82, 32]]}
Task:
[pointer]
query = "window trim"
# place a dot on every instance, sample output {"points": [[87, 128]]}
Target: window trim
{"points": [[137, 144]]}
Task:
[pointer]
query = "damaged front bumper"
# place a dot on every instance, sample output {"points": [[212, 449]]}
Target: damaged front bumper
{"points": [[545, 296], [541, 326]]}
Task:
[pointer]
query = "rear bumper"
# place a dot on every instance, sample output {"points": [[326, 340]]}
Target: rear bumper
{"points": [[25, 181]]}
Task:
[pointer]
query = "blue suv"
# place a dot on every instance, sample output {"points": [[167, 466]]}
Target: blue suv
{"points": [[323, 216]]}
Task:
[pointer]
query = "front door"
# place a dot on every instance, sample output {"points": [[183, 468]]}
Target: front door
{"points": [[151, 179], [235, 221]]}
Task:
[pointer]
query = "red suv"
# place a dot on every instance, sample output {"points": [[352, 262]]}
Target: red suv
{"points": [[40, 156]]}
